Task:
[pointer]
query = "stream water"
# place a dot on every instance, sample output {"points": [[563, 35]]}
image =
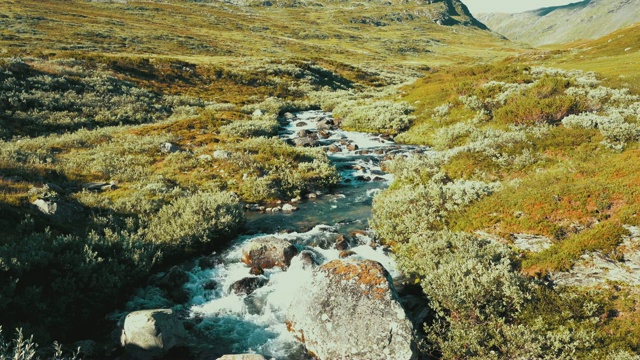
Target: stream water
{"points": [[226, 323]]}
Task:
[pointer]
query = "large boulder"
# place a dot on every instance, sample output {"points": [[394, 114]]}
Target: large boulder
{"points": [[350, 310], [148, 334], [268, 252]]}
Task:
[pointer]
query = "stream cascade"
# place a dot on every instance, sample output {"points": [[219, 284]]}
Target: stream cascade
{"points": [[224, 320]]}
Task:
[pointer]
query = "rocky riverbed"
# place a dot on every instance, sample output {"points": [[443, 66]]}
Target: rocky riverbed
{"points": [[312, 280]]}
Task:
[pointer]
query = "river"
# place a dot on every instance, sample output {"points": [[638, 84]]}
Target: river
{"points": [[226, 323]]}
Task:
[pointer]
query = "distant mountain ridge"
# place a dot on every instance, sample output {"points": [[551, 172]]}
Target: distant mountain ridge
{"points": [[589, 19], [442, 12]]}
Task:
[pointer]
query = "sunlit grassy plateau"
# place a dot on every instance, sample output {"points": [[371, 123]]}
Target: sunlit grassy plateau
{"points": [[529, 141]]}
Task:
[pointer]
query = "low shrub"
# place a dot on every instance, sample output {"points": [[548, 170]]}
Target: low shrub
{"points": [[196, 220], [376, 116]]}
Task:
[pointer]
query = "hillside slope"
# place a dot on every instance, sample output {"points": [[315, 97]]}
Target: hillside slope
{"points": [[589, 19]]}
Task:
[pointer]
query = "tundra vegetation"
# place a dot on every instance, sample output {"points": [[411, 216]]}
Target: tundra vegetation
{"points": [[129, 142]]}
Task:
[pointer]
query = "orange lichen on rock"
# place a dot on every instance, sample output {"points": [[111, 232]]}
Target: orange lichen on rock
{"points": [[371, 275]]}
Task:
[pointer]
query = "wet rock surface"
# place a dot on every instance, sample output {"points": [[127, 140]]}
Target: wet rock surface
{"points": [[268, 252], [247, 285]]}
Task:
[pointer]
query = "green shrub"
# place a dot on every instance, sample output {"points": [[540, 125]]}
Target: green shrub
{"points": [[58, 285], [196, 220], [377, 116], [250, 128], [531, 110], [402, 211]]}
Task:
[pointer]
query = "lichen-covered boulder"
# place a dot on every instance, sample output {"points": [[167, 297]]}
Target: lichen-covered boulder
{"points": [[268, 252], [148, 334], [350, 310]]}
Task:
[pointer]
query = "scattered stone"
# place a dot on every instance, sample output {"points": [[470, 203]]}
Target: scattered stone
{"points": [[256, 270], [247, 285], [257, 112], [47, 207], [151, 333], [276, 209], [349, 310], [172, 283], [289, 208], [312, 195], [222, 154], [357, 233], [301, 124], [289, 116], [308, 259], [342, 243], [378, 178], [345, 254], [168, 148], [55, 188], [296, 199], [99, 186], [209, 262], [306, 133], [325, 124], [334, 148], [306, 142], [210, 285], [254, 207], [268, 252], [205, 157], [254, 304], [352, 147], [324, 134]]}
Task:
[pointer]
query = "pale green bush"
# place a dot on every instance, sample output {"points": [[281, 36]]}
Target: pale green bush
{"points": [[449, 136], [381, 115], [464, 277], [197, 219], [402, 211], [616, 131], [250, 128], [35, 103]]}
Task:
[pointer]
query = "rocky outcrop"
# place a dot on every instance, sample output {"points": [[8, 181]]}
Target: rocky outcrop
{"points": [[148, 334], [268, 252], [350, 310]]}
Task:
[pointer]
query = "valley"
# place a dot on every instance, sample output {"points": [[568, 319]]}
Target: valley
{"points": [[210, 170]]}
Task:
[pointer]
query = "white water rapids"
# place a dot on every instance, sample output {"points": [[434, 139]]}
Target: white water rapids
{"points": [[225, 323]]}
